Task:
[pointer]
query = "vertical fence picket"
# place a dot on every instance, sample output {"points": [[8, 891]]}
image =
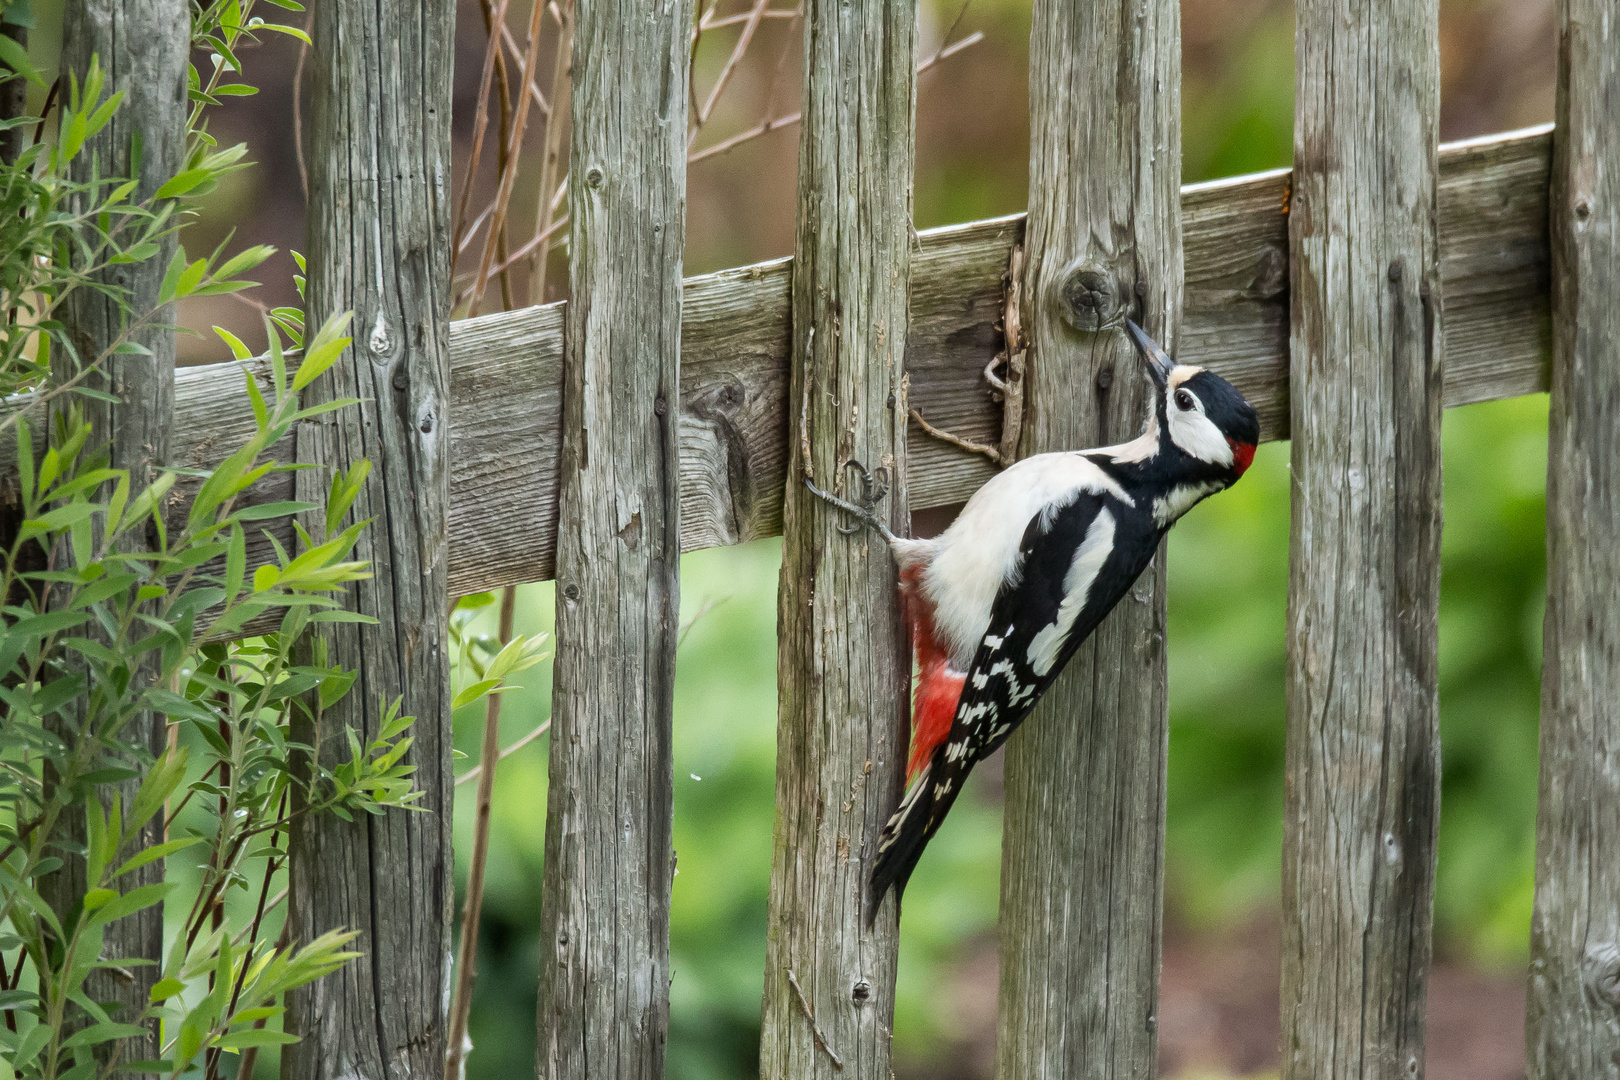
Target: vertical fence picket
{"points": [[1363, 706], [1574, 999], [604, 979], [843, 664], [1082, 867], [378, 245], [141, 46]]}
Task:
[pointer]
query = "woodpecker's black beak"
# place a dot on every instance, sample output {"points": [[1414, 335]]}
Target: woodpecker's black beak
{"points": [[1158, 364]]}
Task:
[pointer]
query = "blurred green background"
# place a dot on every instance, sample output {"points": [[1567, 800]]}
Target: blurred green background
{"points": [[1228, 577]]}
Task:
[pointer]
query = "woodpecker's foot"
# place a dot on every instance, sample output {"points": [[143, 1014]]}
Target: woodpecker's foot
{"points": [[872, 493]]}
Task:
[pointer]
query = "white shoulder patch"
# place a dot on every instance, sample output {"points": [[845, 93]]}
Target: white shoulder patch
{"points": [[980, 551], [1088, 560]]}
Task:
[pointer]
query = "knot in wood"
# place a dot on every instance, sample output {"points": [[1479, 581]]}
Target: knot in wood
{"points": [[593, 176], [861, 991], [1601, 973], [571, 592], [1105, 378], [1583, 209], [1088, 297]]}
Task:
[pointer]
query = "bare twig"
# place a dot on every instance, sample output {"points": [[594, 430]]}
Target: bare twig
{"points": [[538, 250], [1010, 386], [466, 967], [942, 435], [777, 123], [744, 16], [815, 1028], [478, 770], [738, 50], [512, 47], [298, 106], [493, 16], [503, 195], [686, 627]]}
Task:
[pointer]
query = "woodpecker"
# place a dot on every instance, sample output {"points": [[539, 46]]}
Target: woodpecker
{"points": [[999, 602]]}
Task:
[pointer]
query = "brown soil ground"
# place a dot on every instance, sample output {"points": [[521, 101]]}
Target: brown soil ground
{"points": [[1219, 1012]]}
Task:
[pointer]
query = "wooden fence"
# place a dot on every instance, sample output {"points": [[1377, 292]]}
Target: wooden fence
{"points": [[1350, 300]]}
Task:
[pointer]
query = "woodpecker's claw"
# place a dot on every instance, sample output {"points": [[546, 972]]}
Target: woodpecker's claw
{"points": [[871, 495]]}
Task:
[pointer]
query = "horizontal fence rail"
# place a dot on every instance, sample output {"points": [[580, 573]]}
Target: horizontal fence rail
{"points": [[506, 369]]}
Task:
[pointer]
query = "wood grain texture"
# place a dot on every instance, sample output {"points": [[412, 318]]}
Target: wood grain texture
{"points": [[1362, 787], [843, 655], [1574, 993], [141, 46], [506, 369], [378, 246], [604, 958], [1082, 853]]}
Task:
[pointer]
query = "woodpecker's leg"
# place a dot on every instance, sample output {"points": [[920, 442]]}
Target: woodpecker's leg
{"points": [[871, 495]]}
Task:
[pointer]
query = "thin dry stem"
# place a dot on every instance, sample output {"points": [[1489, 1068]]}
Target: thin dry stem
{"points": [[467, 950], [493, 16], [738, 51], [538, 250]]}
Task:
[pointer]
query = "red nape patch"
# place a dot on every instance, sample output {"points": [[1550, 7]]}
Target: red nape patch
{"points": [[1242, 455], [938, 691]]}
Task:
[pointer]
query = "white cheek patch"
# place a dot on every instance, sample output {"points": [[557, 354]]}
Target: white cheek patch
{"points": [[1088, 560], [1197, 434]]}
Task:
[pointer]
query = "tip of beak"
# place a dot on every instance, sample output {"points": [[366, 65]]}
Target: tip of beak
{"points": [[1158, 362]]}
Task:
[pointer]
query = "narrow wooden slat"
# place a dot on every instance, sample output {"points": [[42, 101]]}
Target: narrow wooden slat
{"points": [[1362, 787], [604, 958], [1574, 998], [506, 369], [843, 656], [379, 247], [141, 47], [1082, 854]]}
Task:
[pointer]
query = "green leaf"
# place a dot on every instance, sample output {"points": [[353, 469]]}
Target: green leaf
{"points": [[15, 57], [164, 989], [98, 898], [100, 1033], [323, 351], [238, 349], [472, 693], [154, 853], [137, 899], [238, 1040], [183, 182]]}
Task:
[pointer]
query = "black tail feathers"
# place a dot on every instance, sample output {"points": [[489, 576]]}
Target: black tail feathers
{"points": [[901, 843]]}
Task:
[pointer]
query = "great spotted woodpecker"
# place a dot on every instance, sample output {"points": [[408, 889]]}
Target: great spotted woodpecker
{"points": [[1000, 601]]}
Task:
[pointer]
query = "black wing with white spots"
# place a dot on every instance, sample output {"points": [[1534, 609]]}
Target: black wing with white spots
{"points": [[1023, 651]]}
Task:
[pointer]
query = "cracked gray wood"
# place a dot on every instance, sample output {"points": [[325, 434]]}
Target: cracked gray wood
{"points": [[1082, 852], [604, 953], [141, 46], [1362, 788], [843, 654], [1574, 992], [506, 369], [379, 246]]}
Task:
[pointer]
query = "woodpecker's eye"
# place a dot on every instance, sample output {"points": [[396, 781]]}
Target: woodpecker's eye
{"points": [[1184, 400]]}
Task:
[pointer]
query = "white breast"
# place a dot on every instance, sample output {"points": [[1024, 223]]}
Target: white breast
{"points": [[979, 552]]}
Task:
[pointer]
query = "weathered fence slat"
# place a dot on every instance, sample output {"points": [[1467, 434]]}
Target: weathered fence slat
{"points": [[1363, 704], [1082, 854], [378, 245], [506, 369], [1574, 996], [604, 967], [142, 47], [843, 657]]}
